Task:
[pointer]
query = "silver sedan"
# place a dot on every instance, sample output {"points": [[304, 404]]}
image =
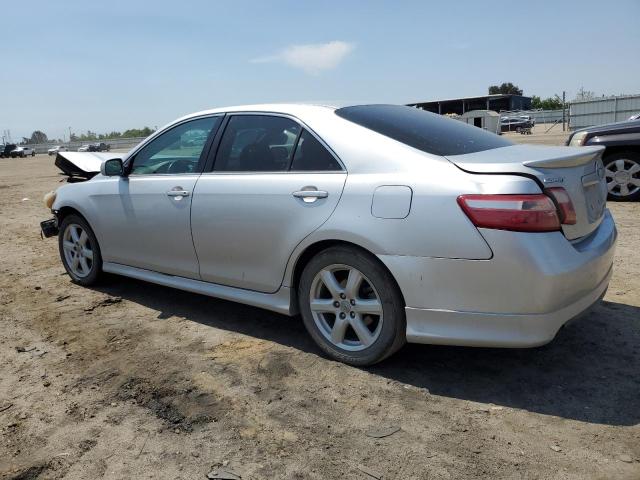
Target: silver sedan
{"points": [[379, 224]]}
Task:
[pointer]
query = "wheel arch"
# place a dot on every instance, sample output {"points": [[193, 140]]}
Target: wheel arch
{"points": [[315, 248], [65, 211]]}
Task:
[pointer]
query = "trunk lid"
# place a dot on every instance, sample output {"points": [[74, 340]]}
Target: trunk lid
{"points": [[578, 169]]}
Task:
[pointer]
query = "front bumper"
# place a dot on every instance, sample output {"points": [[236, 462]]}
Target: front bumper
{"points": [[49, 228], [534, 284]]}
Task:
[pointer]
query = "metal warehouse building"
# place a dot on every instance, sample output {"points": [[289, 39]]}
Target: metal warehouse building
{"points": [[497, 103]]}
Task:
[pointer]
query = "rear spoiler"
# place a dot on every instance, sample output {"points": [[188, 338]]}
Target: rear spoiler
{"points": [[82, 165], [524, 158], [574, 159]]}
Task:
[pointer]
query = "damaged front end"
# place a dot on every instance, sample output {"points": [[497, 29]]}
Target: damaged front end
{"points": [[78, 167], [82, 166]]}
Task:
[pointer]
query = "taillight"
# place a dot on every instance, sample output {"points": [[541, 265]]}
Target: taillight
{"points": [[519, 213], [564, 203]]}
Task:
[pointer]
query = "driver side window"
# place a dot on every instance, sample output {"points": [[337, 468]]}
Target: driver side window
{"points": [[176, 151]]}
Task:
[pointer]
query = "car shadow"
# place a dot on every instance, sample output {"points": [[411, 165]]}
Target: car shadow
{"points": [[590, 372]]}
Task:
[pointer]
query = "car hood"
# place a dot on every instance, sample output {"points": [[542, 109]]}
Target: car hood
{"points": [[83, 164], [612, 127]]}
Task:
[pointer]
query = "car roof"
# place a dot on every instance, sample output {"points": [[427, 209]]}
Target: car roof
{"points": [[295, 109]]}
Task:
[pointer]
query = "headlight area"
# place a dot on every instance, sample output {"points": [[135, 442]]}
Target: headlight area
{"points": [[49, 198], [578, 139], [49, 228]]}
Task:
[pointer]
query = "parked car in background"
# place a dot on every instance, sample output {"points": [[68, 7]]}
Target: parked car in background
{"points": [[56, 149], [515, 124], [7, 149], [99, 147], [347, 216], [84, 148], [621, 157], [22, 152], [528, 118]]}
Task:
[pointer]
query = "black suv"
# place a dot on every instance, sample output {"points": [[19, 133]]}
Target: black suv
{"points": [[621, 156], [8, 148], [99, 147]]}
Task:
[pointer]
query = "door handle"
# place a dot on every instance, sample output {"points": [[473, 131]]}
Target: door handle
{"points": [[308, 195], [178, 192]]}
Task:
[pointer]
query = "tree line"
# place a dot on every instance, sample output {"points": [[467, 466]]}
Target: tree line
{"points": [[39, 136]]}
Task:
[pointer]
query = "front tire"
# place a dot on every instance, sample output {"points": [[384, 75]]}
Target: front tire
{"points": [[79, 250], [351, 306], [622, 173]]}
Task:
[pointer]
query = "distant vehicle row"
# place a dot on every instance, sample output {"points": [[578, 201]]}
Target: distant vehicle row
{"points": [[13, 151]]}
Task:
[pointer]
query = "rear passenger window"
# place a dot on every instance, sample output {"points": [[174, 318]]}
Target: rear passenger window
{"points": [[257, 143], [312, 156]]}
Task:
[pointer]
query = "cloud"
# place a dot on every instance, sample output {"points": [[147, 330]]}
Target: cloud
{"points": [[313, 58]]}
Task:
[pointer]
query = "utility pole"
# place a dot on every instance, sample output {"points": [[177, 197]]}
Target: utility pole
{"points": [[564, 96]]}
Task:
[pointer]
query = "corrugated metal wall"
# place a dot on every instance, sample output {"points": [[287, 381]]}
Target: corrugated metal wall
{"points": [[603, 110]]}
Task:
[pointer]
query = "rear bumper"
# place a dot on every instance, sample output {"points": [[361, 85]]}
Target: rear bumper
{"points": [[474, 329], [519, 298]]}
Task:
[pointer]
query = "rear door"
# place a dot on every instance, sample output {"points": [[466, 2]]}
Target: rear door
{"points": [[272, 184]]}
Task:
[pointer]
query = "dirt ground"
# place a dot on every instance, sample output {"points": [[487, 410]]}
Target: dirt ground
{"points": [[541, 134], [132, 380]]}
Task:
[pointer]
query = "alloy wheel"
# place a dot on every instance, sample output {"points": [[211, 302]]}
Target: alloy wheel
{"points": [[623, 177], [346, 307], [78, 251]]}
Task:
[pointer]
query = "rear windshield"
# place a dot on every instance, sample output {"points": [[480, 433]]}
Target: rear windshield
{"points": [[423, 130]]}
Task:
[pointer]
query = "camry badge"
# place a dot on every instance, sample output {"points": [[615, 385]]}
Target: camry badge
{"points": [[553, 180]]}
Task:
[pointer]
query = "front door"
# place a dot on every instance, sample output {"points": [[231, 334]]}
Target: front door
{"points": [[273, 183], [145, 220]]}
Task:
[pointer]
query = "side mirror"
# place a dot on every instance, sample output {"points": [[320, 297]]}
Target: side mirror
{"points": [[112, 168]]}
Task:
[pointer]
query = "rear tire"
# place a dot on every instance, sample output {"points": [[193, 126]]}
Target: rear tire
{"points": [[351, 306], [622, 173], [79, 250]]}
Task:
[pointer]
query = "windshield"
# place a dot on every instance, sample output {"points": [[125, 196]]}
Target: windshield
{"points": [[423, 130]]}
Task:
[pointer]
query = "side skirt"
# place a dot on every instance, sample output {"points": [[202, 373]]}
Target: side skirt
{"points": [[279, 302]]}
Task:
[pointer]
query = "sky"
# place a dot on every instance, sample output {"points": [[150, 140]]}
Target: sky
{"points": [[114, 65]]}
